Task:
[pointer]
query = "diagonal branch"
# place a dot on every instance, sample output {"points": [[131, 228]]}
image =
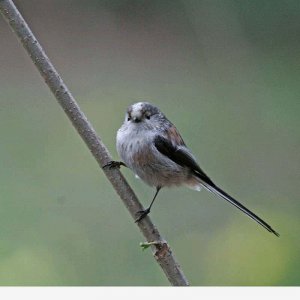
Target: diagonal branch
{"points": [[160, 247]]}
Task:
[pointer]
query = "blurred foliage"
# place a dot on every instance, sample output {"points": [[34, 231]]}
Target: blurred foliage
{"points": [[225, 72]]}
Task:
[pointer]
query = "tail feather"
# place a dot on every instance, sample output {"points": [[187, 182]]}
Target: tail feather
{"points": [[216, 190]]}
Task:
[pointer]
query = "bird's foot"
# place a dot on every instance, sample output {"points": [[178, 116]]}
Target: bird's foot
{"points": [[114, 164], [143, 214]]}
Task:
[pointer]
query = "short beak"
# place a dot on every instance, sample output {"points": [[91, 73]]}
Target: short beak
{"points": [[136, 120]]}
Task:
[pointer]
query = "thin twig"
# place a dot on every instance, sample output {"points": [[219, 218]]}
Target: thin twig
{"points": [[161, 249]]}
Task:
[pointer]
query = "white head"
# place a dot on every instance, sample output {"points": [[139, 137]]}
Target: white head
{"points": [[142, 112], [136, 112]]}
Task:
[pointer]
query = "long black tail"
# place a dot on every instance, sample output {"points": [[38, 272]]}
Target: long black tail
{"points": [[216, 190]]}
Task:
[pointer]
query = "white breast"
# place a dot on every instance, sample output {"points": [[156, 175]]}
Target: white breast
{"points": [[131, 140]]}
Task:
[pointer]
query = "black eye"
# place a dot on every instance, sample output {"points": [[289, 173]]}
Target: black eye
{"points": [[148, 117], [129, 118]]}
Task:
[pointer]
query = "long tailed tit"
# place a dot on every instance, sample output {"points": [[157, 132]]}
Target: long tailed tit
{"points": [[151, 146]]}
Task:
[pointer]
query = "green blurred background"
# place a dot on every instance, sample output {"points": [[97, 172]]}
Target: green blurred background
{"points": [[225, 72]]}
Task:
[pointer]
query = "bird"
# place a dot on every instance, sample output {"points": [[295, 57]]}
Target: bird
{"points": [[151, 146]]}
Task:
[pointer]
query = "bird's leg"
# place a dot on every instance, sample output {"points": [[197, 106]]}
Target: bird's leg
{"points": [[114, 164], [144, 213]]}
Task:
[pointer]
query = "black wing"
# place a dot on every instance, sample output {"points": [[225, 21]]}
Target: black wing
{"points": [[183, 158]]}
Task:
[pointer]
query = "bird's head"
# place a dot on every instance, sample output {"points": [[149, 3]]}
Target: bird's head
{"points": [[142, 112]]}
